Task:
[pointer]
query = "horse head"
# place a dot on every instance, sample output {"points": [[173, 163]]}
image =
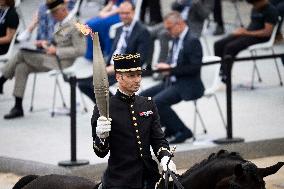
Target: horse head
{"points": [[224, 170], [248, 176]]}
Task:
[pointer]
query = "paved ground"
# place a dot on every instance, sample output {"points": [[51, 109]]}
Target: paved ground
{"points": [[257, 114]]}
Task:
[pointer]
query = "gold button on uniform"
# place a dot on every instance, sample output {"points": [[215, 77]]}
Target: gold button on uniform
{"points": [[141, 155], [131, 105], [138, 137], [132, 112], [136, 131], [139, 142], [134, 118], [135, 124], [140, 149]]}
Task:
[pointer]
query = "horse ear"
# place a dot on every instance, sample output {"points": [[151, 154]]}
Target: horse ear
{"points": [[270, 170], [238, 170]]}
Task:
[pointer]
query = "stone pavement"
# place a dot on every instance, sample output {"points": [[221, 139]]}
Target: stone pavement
{"points": [[37, 142]]}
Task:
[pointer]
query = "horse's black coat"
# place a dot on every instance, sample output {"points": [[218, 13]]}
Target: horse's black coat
{"points": [[222, 170]]}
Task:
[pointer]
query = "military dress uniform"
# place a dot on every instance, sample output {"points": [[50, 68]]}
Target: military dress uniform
{"points": [[135, 127]]}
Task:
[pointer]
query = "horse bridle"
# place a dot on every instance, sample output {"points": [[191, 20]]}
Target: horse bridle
{"points": [[234, 185], [168, 173], [247, 167]]}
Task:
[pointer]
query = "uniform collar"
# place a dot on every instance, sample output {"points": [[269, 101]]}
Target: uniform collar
{"points": [[125, 97]]}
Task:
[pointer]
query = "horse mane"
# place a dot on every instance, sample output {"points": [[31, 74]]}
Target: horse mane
{"points": [[24, 181], [221, 154]]}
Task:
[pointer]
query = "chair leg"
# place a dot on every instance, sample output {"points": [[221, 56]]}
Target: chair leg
{"points": [[33, 94], [197, 113], [277, 68], [194, 120], [83, 102], [60, 92], [255, 69], [220, 111], [54, 98]]}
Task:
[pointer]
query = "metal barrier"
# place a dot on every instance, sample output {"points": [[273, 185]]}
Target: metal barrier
{"points": [[72, 80]]}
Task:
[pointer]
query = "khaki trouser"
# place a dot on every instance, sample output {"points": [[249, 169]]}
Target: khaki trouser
{"points": [[24, 63]]}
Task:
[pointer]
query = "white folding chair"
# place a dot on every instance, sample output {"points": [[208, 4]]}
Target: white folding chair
{"points": [[5, 57], [203, 36], [78, 69], [20, 12], [268, 45], [56, 86], [209, 92]]}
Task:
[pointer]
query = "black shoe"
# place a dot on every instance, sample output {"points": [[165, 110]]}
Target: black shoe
{"points": [[14, 113], [219, 30], [181, 137]]}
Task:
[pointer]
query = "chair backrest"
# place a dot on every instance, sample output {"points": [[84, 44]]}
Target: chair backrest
{"points": [[273, 35], [266, 44], [210, 74], [7, 56]]}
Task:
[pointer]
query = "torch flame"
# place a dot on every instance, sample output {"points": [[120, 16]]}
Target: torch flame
{"points": [[83, 28]]}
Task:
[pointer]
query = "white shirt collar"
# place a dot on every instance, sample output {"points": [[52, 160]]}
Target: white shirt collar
{"points": [[183, 33], [130, 27]]}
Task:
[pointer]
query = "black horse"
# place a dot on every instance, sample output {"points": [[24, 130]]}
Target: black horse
{"points": [[222, 170]]}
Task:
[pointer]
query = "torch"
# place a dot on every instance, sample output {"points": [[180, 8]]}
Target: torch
{"points": [[100, 79]]}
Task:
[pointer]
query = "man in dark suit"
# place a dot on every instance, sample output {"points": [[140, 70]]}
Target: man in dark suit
{"points": [[134, 127], [132, 37], [182, 80]]}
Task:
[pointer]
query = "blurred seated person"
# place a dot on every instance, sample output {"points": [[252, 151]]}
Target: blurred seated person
{"points": [[68, 44], [132, 37], [218, 18], [182, 78], [101, 24], [263, 19], [44, 23], [193, 12], [9, 22], [153, 8]]}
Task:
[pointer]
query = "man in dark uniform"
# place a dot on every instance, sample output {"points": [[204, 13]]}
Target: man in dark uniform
{"points": [[134, 127]]}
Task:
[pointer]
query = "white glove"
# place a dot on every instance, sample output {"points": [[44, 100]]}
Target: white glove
{"points": [[171, 165], [103, 127]]}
